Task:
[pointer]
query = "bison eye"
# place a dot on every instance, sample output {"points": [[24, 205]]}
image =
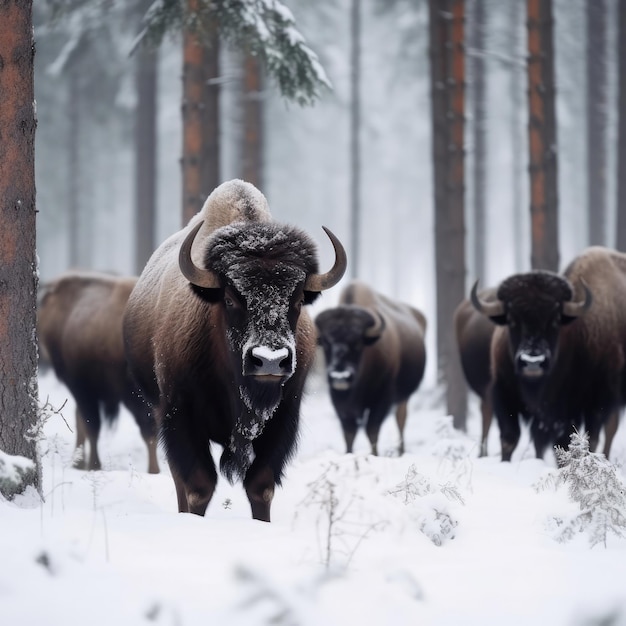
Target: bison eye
{"points": [[228, 301]]}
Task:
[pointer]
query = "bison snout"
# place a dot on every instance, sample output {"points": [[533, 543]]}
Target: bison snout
{"points": [[264, 361], [532, 364], [340, 380]]}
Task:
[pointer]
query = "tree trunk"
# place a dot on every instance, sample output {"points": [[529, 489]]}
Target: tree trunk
{"points": [[596, 121], [145, 152], [355, 137], [74, 172], [18, 265], [252, 151], [621, 133], [480, 136], [192, 111], [211, 170], [542, 137], [448, 101], [517, 132]]}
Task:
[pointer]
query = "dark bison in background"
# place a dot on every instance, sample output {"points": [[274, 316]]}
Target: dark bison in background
{"points": [[375, 359], [558, 354], [473, 335], [79, 322], [220, 346]]}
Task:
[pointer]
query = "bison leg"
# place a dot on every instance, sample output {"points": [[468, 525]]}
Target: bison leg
{"points": [[196, 490], [486, 412], [610, 428], [81, 436], [401, 413], [259, 487], [89, 414], [147, 427], [349, 428]]}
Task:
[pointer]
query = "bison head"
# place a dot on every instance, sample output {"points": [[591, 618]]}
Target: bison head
{"points": [[534, 307], [343, 333], [260, 275]]}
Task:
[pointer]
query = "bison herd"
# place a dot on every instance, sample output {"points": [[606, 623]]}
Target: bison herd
{"points": [[212, 344]]}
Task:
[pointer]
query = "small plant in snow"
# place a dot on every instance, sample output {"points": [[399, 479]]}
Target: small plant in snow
{"points": [[339, 532], [593, 482], [433, 519]]}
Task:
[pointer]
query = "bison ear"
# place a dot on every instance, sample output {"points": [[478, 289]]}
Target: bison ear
{"points": [[499, 320]]}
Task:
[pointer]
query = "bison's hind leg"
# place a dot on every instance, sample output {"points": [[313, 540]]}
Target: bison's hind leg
{"points": [[401, 413], [87, 428]]}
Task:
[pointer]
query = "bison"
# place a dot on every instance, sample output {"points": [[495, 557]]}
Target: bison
{"points": [[375, 359], [558, 356], [220, 345], [79, 323], [473, 335]]}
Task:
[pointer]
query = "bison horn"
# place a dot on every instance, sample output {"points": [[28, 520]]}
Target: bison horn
{"points": [[488, 308], [320, 282], [195, 275], [575, 309], [375, 331]]}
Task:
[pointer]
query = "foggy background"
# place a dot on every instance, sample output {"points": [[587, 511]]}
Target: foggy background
{"points": [[306, 166]]}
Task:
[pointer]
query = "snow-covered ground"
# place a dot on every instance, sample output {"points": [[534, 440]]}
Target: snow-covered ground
{"points": [[436, 536]]}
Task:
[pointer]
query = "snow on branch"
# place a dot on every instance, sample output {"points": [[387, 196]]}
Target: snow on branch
{"points": [[264, 28], [593, 483]]}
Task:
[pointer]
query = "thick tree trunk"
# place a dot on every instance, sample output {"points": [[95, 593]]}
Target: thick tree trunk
{"points": [[542, 137], [596, 121], [479, 162], [18, 266], [252, 149], [211, 169], [145, 155], [448, 101]]}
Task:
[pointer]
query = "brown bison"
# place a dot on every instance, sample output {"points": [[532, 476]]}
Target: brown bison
{"points": [[375, 359], [79, 322], [220, 346], [473, 335], [558, 356]]}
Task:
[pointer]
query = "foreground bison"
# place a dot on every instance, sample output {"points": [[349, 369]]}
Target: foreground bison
{"points": [[79, 322], [375, 359], [473, 335], [220, 346], [558, 358]]}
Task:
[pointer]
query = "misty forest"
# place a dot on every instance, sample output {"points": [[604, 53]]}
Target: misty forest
{"points": [[449, 145]]}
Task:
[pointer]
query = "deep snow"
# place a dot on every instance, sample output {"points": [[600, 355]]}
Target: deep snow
{"points": [[436, 536]]}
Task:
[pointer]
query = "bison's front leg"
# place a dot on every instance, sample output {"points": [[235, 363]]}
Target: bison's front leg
{"points": [[194, 491], [507, 411], [259, 484]]}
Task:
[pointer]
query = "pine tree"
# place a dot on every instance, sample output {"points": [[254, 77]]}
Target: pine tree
{"points": [[592, 481]]}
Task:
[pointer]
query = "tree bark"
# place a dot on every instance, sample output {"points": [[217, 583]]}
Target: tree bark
{"points": [[18, 265], [252, 150], [448, 102], [596, 121], [146, 84], [479, 116], [542, 137]]}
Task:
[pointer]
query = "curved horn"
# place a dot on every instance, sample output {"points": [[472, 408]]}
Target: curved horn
{"points": [[195, 275], [320, 282], [575, 309], [488, 308], [375, 331]]}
